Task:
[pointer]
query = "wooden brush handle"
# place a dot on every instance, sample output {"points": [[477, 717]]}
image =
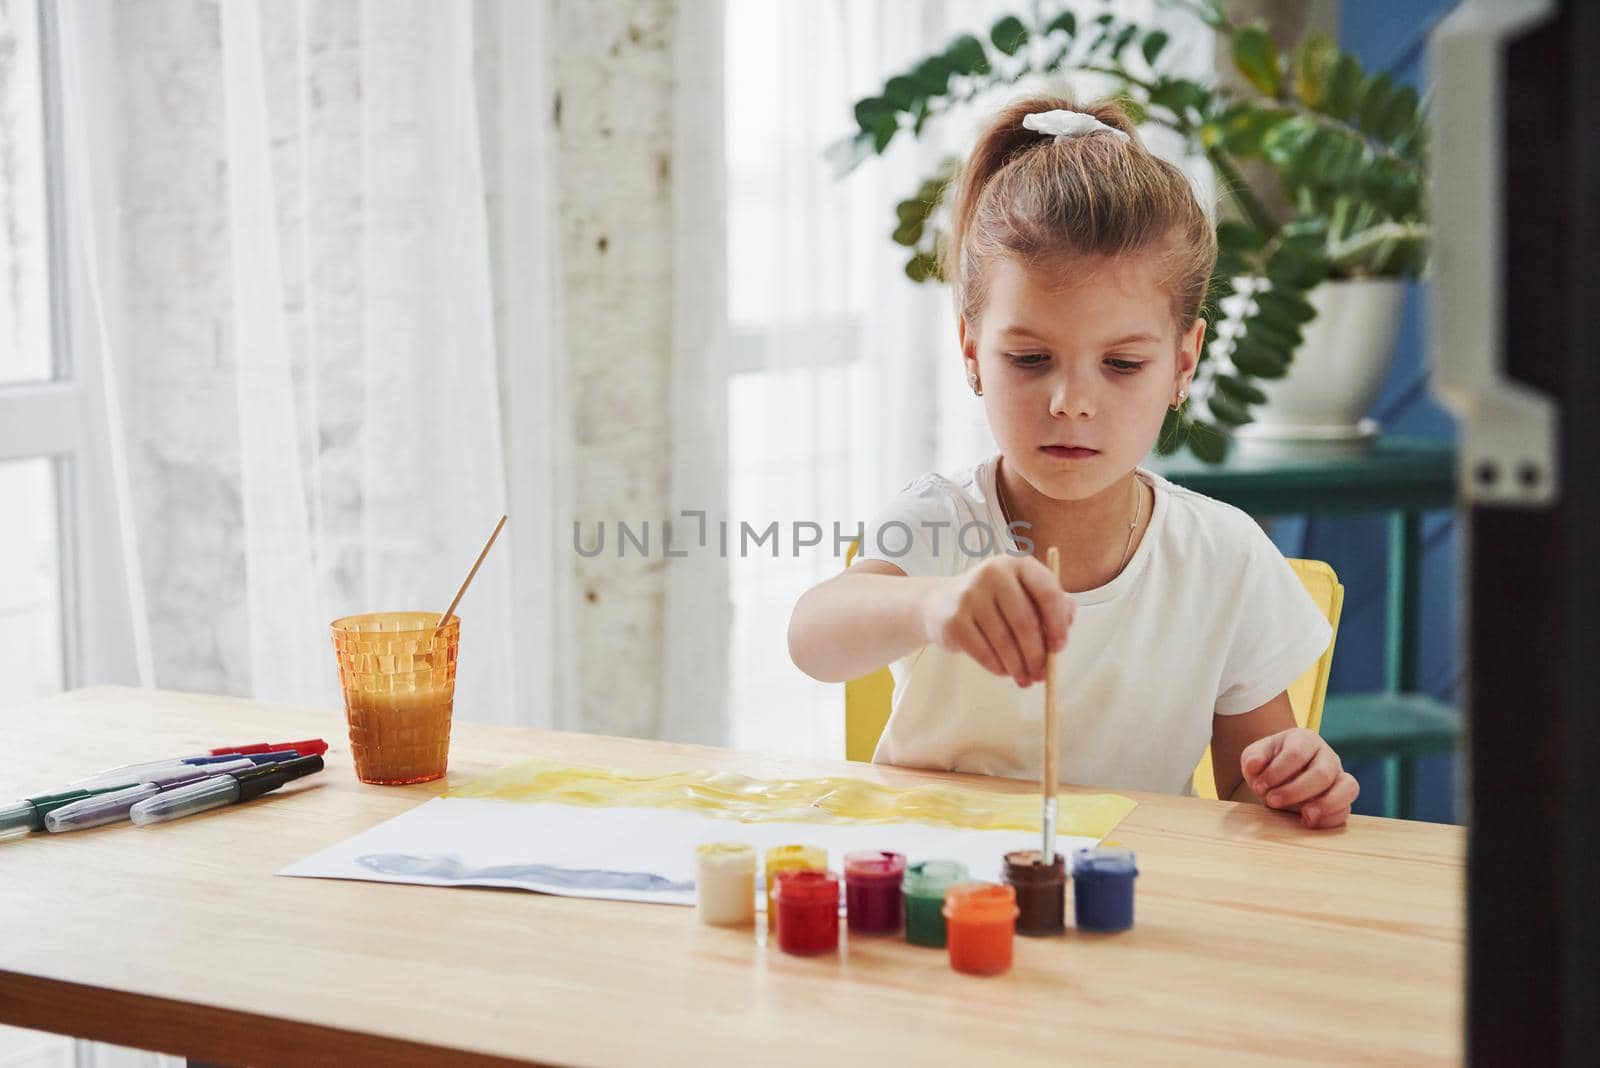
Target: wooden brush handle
{"points": [[1050, 774]]}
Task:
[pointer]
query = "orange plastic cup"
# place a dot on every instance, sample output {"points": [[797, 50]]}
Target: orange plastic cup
{"points": [[399, 679], [981, 920]]}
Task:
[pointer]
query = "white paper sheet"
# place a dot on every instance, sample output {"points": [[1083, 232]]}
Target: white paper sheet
{"points": [[619, 854]]}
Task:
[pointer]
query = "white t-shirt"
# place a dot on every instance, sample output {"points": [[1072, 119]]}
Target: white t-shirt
{"points": [[1207, 617]]}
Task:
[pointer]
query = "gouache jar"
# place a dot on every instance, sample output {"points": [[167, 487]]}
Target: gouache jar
{"points": [[1041, 891], [872, 901], [923, 888], [789, 858], [807, 907], [980, 919], [1102, 888], [725, 884]]}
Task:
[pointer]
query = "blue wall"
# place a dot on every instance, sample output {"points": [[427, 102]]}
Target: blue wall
{"points": [[1391, 35]]}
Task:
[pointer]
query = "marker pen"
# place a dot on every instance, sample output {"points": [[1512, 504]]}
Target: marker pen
{"points": [[134, 774], [221, 790], [305, 747], [19, 818], [114, 806]]}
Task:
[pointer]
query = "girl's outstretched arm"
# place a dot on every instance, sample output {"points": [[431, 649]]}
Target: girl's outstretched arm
{"points": [[858, 621], [1008, 614]]}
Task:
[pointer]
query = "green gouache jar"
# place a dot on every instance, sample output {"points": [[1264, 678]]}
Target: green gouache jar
{"points": [[924, 885]]}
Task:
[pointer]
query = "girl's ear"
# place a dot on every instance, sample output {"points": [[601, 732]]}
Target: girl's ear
{"points": [[1189, 352], [969, 344]]}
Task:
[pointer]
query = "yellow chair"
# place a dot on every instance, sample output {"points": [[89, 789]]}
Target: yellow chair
{"points": [[868, 699], [1307, 692]]}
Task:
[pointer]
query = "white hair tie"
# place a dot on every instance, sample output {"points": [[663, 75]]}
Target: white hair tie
{"points": [[1065, 124]]}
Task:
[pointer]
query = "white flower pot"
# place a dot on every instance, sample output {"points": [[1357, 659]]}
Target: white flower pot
{"points": [[1335, 376]]}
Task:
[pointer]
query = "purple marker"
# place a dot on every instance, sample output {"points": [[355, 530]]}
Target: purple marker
{"points": [[134, 774], [109, 808]]}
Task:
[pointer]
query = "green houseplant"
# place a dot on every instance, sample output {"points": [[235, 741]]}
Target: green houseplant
{"points": [[1345, 148]]}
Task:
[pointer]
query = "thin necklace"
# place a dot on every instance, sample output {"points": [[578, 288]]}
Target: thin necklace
{"points": [[1127, 550]]}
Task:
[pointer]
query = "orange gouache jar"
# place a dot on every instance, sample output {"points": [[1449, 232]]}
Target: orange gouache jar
{"points": [[981, 920]]}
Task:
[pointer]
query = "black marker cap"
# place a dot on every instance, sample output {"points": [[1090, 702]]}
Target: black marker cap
{"points": [[268, 777]]}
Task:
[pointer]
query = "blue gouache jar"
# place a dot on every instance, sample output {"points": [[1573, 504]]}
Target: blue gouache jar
{"points": [[1102, 888]]}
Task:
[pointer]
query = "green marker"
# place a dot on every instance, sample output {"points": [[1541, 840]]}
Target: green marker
{"points": [[26, 816]]}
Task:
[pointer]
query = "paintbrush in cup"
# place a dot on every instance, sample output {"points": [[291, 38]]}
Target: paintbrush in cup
{"points": [[471, 574]]}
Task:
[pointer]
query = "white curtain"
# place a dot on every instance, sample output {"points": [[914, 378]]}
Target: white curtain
{"points": [[696, 611], [515, 77], [333, 310], [846, 379], [834, 390]]}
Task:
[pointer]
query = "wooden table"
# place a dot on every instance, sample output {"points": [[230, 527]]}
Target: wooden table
{"points": [[1256, 942]]}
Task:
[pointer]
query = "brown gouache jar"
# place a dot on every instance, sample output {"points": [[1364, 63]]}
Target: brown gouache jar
{"points": [[1041, 891]]}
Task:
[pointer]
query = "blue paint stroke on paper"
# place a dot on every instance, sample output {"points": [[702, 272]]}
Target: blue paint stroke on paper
{"points": [[451, 869]]}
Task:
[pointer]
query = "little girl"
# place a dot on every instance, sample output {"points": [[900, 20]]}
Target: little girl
{"points": [[1079, 262]]}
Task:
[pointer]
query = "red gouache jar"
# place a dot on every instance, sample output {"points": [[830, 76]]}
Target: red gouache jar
{"points": [[872, 896], [808, 912]]}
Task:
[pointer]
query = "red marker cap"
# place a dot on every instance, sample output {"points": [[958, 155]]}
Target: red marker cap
{"points": [[308, 747]]}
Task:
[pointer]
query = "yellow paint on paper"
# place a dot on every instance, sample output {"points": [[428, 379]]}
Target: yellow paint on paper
{"points": [[829, 800]]}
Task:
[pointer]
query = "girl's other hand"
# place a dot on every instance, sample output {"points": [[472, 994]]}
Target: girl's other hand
{"points": [[1295, 770], [1008, 613]]}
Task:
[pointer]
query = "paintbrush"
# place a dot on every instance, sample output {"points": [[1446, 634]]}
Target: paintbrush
{"points": [[445, 615], [1050, 771]]}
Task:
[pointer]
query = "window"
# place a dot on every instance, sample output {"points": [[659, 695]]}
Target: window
{"points": [[31, 636], [26, 351], [65, 600], [30, 581]]}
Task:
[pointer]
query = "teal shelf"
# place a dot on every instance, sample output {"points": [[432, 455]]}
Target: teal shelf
{"points": [[1398, 474], [1363, 726], [1396, 728]]}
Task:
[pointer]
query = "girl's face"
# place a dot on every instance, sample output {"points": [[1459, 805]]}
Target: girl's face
{"points": [[1076, 379]]}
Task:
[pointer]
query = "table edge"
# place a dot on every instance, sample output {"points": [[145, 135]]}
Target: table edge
{"points": [[210, 1033]]}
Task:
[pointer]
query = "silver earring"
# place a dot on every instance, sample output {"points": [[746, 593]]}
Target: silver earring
{"points": [[972, 381]]}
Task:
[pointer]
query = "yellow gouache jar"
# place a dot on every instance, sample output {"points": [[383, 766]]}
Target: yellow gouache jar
{"points": [[790, 858]]}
